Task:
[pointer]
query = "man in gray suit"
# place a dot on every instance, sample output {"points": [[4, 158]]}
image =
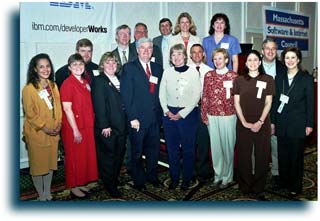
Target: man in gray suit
{"points": [[124, 52], [162, 41]]}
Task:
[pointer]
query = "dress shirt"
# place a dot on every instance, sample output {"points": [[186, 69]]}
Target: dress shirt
{"points": [[120, 50], [166, 50], [203, 70], [270, 69], [144, 65], [180, 89]]}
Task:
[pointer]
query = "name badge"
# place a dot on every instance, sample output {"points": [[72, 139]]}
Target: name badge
{"points": [[260, 85], [227, 85], [153, 79], [225, 45], [284, 100], [95, 72], [43, 94]]}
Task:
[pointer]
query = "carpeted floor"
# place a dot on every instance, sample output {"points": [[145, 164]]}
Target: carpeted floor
{"points": [[197, 192]]}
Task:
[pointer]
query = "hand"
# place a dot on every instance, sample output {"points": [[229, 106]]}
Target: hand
{"points": [[176, 117], [308, 130], [77, 136], [273, 129], [247, 125], [58, 128], [48, 131], [169, 114], [106, 132], [135, 124], [256, 127]]}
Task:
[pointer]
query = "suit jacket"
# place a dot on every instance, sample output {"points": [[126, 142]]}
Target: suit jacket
{"points": [[139, 103], [297, 114], [280, 68], [132, 56], [177, 39], [63, 72], [158, 42], [156, 54], [108, 106]]}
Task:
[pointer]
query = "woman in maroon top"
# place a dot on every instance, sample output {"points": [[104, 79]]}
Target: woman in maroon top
{"points": [[78, 129], [219, 114], [253, 93]]}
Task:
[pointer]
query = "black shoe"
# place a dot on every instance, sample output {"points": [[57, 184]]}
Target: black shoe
{"points": [[140, 187], [114, 192], [173, 186], [185, 185], [261, 197], [156, 184]]}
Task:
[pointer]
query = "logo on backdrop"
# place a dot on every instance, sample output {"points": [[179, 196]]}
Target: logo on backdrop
{"points": [[77, 5]]}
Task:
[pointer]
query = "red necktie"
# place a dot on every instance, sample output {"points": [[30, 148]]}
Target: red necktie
{"points": [[148, 72]]}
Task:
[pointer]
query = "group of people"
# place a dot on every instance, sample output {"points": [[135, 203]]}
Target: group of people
{"points": [[112, 113]]}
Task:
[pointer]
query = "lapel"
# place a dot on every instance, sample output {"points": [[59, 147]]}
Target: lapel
{"points": [[109, 84]]}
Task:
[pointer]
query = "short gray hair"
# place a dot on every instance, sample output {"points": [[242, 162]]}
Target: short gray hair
{"points": [[267, 40], [143, 40]]}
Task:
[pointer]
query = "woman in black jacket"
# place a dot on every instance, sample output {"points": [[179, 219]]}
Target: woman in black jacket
{"points": [[110, 123], [292, 118]]}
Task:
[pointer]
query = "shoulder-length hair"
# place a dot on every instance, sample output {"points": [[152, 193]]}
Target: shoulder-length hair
{"points": [[192, 29], [106, 57], [294, 50], [217, 17], [32, 75]]}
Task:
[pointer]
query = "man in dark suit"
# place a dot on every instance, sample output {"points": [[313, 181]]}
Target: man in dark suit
{"points": [[139, 88], [124, 52], [141, 31], [84, 47], [273, 67], [162, 41]]}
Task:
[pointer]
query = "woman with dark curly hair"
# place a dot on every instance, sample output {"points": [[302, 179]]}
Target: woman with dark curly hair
{"points": [[220, 38], [42, 123]]}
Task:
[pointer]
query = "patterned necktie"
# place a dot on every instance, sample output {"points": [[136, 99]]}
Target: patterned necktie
{"points": [[124, 57]]}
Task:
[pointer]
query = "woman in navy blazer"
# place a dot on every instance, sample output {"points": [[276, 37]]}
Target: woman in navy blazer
{"points": [[110, 122], [292, 118]]}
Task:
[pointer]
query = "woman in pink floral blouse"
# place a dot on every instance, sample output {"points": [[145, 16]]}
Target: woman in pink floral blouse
{"points": [[218, 113]]}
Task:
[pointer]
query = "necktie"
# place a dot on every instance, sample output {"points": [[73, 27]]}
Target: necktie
{"points": [[198, 69], [148, 72], [124, 57]]}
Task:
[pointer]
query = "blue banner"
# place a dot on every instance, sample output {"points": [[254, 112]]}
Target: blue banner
{"points": [[289, 29]]}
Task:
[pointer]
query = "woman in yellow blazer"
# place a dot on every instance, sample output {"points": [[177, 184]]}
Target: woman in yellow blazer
{"points": [[42, 123]]}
